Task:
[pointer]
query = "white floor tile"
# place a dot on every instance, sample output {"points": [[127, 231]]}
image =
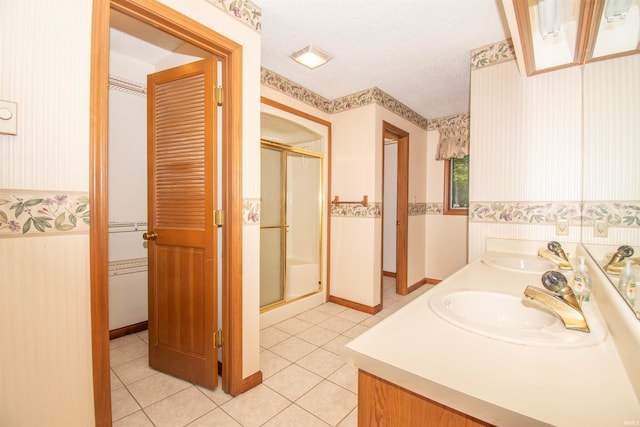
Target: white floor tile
{"points": [[256, 406], [329, 402], [217, 418], [317, 335], [122, 404], [137, 419], [180, 409], [155, 388], [270, 363], [293, 382], [321, 362], [295, 416], [293, 349]]}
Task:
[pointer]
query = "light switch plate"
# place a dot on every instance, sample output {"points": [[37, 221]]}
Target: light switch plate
{"points": [[8, 117], [601, 228], [562, 227]]}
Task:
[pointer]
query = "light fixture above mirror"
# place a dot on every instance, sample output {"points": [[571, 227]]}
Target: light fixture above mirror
{"points": [[552, 34]]}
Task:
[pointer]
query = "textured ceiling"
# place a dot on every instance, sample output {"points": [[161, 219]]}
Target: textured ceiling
{"points": [[415, 50]]}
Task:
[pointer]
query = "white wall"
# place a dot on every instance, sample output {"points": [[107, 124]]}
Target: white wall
{"points": [[127, 191], [445, 235], [44, 292], [389, 207], [612, 146], [525, 146], [355, 241], [45, 343]]}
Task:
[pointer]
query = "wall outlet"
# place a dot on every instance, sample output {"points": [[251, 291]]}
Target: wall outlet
{"points": [[8, 117], [601, 228], [562, 227]]}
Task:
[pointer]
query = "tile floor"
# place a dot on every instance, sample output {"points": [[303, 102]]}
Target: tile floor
{"points": [[305, 380]]}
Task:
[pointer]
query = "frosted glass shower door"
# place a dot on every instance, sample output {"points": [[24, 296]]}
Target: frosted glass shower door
{"points": [[272, 226], [290, 224]]}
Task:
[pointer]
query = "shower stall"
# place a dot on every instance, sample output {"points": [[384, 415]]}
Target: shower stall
{"points": [[290, 223]]}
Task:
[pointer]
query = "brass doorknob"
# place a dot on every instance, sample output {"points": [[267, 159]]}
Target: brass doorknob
{"points": [[151, 235]]}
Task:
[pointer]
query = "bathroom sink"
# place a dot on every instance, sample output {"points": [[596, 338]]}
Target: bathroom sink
{"points": [[519, 263], [510, 318]]}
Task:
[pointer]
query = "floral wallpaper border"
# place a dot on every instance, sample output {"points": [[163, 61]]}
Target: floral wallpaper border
{"points": [[617, 214], [459, 120], [244, 11], [374, 210], [492, 54], [525, 212], [355, 100], [251, 211], [33, 213], [425, 209]]}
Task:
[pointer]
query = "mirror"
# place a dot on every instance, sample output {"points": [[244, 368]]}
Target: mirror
{"points": [[611, 158]]}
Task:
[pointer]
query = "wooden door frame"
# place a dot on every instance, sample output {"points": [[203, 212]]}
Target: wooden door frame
{"points": [[230, 53], [402, 207]]}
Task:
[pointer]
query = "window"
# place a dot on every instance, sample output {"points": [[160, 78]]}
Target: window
{"points": [[456, 186]]}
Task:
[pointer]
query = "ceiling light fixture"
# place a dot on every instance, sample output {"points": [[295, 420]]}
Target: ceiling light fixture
{"points": [[311, 57]]}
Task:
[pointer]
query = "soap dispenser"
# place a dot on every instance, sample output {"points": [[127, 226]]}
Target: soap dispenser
{"points": [[582, 282], [627, 283]]}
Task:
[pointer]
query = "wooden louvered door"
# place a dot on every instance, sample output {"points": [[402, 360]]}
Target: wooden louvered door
{"points": [[182, 237]]}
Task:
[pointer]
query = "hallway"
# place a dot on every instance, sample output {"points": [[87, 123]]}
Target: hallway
{"points": [[305, 380]]}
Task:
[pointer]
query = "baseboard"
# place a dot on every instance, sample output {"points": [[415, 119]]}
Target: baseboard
{"points": [[432, 281], [416, 285], [251, 381], [127, 330], [355, 305], [389, 273]]}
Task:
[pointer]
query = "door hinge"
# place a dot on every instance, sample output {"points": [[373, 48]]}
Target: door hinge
{"points": [[218, 218], [219, 93], [218, 338]]}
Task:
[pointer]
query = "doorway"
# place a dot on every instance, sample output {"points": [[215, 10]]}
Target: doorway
{"points": [[395, 213], [229, 54]]}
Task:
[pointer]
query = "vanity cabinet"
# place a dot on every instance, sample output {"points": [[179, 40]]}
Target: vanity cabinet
{"points": [[381, 403]]}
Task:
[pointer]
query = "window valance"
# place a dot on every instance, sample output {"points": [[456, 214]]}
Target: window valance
{"points": [[454, 142]]}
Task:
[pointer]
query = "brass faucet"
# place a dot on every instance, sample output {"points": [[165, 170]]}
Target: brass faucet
{"points": [[559, 297], [556, 254], [616, 261]]}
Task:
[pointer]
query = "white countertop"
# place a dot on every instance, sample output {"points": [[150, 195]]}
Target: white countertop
{"points": [[498, 382]]}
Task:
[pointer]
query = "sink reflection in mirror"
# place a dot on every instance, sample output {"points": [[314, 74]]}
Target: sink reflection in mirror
{"points": [[511, 318]]}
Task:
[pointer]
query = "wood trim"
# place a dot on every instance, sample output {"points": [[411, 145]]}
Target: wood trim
{"points": [[252, 381], [416, 285], [355, 305], [383, 403], [402, 205], [521, 9], [230, 53], [98, 205], [327, 212], [128, 330], [432, 281], [587, 30], [389, 273], [447, 210]]}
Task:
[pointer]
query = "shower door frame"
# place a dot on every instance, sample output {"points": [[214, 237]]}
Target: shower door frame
{"points": [[284, 149]]}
